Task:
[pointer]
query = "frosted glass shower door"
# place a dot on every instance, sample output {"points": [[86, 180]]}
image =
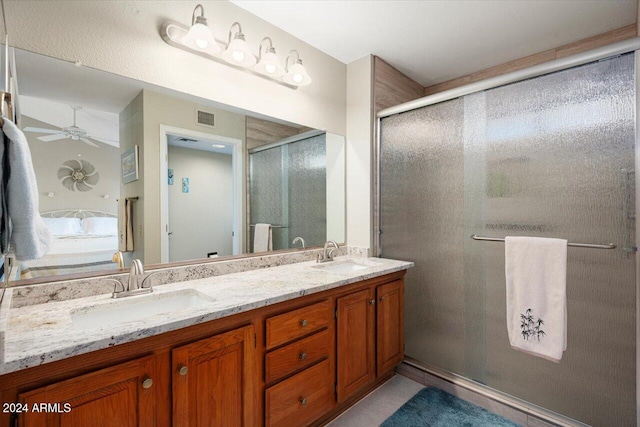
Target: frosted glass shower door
{"points": [[288, 189], [550, 157]]}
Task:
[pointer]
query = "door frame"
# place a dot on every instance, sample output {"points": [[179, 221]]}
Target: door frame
{"points": [[237, 171]]}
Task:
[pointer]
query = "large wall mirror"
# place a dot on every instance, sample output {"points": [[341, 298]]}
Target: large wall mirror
{"points": [[162, 176]]}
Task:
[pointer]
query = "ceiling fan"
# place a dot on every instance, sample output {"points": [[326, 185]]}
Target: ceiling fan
{"points": [[73, 132]]}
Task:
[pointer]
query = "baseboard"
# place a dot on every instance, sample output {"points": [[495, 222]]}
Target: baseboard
{"points": [[512, 408]]}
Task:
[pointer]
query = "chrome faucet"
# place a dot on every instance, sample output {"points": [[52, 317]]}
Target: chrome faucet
{"points": [[327, 254], [301, 240], [135, 272], [135, 286]]}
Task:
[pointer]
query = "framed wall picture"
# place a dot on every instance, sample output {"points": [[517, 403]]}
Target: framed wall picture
{"points": [[130, 165]]}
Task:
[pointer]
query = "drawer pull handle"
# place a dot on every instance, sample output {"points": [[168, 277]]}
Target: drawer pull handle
{"points": [[304, 323], [182, 370], [372, 302], [303, 401], [147, 383], [303, 356], [381, 298]]}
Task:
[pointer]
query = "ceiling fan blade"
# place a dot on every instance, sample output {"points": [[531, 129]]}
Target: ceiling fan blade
{"points": [[108, 142], [50, 138], [40, 130], [89, 142]]}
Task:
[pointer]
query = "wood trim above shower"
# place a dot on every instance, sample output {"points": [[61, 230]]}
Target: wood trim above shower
{"points": [[579, 46]]}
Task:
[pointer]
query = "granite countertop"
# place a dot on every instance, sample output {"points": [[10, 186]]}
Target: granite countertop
{"points": [[38, 334]]}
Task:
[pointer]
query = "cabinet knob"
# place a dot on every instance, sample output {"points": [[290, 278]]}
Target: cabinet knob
{"points": [[303, 356], [147, 383], [372, 302], [303, 401], [303, 323], [182, 370], [381, 298]]}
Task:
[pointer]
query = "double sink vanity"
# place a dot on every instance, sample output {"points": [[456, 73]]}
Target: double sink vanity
{"points": [[289, 345]]}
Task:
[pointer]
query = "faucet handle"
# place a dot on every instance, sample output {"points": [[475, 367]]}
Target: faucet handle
{"points": [[149, 276], [115, 288]]}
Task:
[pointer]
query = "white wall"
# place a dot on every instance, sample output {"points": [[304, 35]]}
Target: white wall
{"points": [[359, 134], [123, 37], [336, 201], [202, 219]]}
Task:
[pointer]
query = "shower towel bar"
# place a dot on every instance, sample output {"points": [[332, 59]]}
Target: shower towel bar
{"points": [[577, 245], [273, 226]]}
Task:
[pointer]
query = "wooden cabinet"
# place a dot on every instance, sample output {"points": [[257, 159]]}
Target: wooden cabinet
{"points": [[390, 325], [370, 335], [299, 373], [356, 342], [120, 396], [301, 399], [296, 363], [213, 381]]}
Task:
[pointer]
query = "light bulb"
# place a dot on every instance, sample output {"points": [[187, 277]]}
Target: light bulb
{"points": [[238, 55], [201, 43], [297, 78], [270, 68]]}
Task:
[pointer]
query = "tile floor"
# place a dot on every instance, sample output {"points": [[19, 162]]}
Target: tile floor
{"points": [[379, 404]]}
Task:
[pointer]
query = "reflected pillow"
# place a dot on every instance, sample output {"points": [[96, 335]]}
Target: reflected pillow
{"points": [[63, 226], [99, 226]]}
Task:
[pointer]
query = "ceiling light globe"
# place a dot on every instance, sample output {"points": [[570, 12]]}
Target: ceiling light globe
{"points": [[238, 55], [270, 68], [270, 65], [200, 37], [297, 75]]}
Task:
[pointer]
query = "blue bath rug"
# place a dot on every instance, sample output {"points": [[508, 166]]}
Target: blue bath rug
{"points": [[432, 407]]}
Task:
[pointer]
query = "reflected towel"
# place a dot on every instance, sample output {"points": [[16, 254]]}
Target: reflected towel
{"points": [[125, 225], [30, 237], [536, 276], [262, 238]]}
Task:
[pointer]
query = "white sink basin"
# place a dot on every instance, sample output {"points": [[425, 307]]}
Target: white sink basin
{"points": [[137, 307], [342, 266]]}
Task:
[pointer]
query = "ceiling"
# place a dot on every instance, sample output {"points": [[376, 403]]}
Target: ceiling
{"points": [[199, 144], [435, 41]]}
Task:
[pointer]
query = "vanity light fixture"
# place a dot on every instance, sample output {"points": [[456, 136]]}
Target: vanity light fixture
{"points": [[296, 73], [199, 39], [238, 52], [200, 36], [269, 63], [218, 146]]}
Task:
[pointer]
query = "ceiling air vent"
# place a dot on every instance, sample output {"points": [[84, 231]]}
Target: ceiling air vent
{"points": [[205, 118]]}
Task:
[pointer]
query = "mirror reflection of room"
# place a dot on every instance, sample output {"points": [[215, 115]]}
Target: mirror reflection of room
{"points": [[128, 170]]}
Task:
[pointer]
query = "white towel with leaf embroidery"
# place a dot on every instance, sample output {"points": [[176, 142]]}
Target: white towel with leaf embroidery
{"points": [[536, 275]]}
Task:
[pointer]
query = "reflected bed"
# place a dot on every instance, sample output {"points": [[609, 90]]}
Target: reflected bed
{"points": [[82, 241]]}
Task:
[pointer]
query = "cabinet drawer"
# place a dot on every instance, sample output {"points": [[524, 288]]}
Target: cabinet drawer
{"points": [[295, 356], [301, 399], [294, 324]]}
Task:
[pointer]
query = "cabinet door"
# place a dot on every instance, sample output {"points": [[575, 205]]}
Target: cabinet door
{"points": [[213, 381], [390, 325], [119, 396], [356, 342]]}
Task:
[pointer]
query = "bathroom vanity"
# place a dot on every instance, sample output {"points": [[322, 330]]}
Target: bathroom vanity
{"points": [[289, 345]]}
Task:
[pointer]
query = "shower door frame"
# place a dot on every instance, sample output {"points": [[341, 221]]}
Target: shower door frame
{"points": [[619, 48]]}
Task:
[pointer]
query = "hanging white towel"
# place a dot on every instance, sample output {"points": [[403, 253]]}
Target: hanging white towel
{"points": [[536, 275], [30, 236], [125, 225], [262, 238]]}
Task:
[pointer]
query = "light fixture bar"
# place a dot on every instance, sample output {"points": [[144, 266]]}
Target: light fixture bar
{"points": [[172, 33]]}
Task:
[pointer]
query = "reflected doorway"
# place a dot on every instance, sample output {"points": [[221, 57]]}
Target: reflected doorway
{"points": [[201, 194]]}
